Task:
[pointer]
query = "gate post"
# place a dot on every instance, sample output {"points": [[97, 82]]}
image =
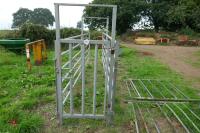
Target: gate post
{"points": [[58, 68], [110, 113], [115, 71]]}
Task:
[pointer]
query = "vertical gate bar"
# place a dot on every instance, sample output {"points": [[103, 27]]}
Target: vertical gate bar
{"points": [[89, 47], [114, 19], [135, 120], [111, 56], [116, 54], [71, 80], [105, 98], [110, 92], [104, 64], [95, 78], [83, 69], [110, 77], [58, 67], [107, 26]]}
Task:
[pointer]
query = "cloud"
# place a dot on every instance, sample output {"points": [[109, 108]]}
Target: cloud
{"points": [[69, 15]]}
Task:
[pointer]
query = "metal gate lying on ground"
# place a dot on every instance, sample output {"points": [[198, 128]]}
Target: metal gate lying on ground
{"points": [[160, 106], [71, 67]]}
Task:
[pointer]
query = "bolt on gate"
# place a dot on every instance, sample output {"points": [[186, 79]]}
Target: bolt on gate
{"points": [[71, 70]]}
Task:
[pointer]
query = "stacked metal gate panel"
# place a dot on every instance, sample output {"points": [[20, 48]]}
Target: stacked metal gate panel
{"points": [[155, 101], [71, 69]]}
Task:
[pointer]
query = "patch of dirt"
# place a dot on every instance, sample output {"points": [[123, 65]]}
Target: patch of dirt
{"points": [[129, 127], [175, 57], [167, 128]]}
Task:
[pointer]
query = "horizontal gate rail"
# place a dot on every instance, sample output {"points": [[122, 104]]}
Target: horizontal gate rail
{"points": [[91, 5], [92, 42], [84, 116], [144, 99]]}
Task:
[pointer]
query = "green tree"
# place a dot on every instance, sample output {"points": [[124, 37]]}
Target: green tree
{"points": [[186, 13], [21, 16], [128, 14], [173, 14], [40, 16], [162, 14], [79, 24], [156, 11]]}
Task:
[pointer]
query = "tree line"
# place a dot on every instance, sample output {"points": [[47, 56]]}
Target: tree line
{"points": [[169, 15]]}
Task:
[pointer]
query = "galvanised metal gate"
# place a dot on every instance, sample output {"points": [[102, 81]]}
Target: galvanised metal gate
{"points": [[71, 70]]}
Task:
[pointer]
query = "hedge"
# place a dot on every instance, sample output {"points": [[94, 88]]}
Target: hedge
{"points": [[35, 32]]}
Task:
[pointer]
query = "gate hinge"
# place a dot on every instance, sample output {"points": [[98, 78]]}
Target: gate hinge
{"points": [[112, 51]]}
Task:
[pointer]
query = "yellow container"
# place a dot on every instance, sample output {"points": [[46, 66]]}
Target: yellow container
{"points": [[145, 41]]}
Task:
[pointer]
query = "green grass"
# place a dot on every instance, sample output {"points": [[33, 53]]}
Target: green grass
{"points": [[22, 91], [197, 62], [24, 95], [146, 67]]}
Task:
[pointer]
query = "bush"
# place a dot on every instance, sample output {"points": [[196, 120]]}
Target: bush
{"points": [[35, 32], [67, 32], [187, 31], [95, 34]]}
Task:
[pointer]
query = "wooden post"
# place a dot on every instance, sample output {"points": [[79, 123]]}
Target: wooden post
{"points": [[34, 52], [44, 50], [28, 57]]}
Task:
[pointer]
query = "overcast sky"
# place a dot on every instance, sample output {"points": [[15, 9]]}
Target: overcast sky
{"points": [[69, 15]]}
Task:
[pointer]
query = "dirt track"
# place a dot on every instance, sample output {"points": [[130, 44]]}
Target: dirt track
{"points": [[175, 57]]}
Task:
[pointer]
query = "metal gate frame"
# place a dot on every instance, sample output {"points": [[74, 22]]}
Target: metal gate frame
{"points": [[110, 52]]}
